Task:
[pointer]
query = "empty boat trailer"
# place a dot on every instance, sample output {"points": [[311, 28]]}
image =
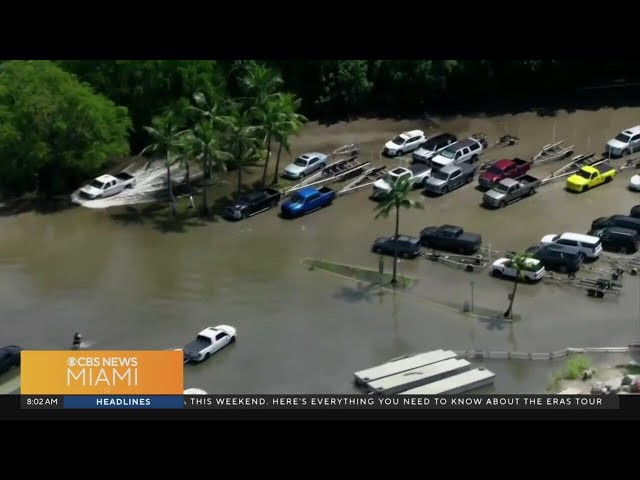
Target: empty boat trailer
{"points": [[418, 376], [464, 382], [402, 364]]}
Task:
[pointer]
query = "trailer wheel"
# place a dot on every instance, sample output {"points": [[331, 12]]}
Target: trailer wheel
{"points": [[599, 294], [468, 268]]}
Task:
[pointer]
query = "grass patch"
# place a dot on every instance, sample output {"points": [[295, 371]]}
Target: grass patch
{"points": [[360, 274], [575, 366], [573, 370], [630, 369]]}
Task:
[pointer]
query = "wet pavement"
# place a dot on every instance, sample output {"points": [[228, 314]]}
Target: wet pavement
{"points": [[126, 284]]}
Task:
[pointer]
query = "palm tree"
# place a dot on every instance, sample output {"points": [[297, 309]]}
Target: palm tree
{"points": [[260, 83], [519, 263], [290, 123], [397, 198], [204, 143], [242, 136], [208, 111], [164, 134]]}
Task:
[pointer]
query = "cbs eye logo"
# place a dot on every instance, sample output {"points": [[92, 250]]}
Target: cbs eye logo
{"points": [[71, 362]]}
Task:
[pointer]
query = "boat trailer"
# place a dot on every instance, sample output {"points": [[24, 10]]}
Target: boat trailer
{"points": [[551, 152], [469, 263], [368, 178], [593, 287]]}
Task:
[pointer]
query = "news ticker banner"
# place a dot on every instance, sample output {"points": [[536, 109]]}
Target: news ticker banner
{"points": [[322, 402], [155, 380]]}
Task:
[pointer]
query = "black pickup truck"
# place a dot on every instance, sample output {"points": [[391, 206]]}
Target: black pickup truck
{"points": [[252, 203], [451, 238]]}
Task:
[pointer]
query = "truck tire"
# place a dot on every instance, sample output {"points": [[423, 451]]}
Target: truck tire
{"points": [[625, 152], [496, 273], [503, 204], [608, 179], [532, 191], [444, 190], [563, 269], [470, 179], [273, 203], [207, 356], [474, 159], [635, 212], [233, 339], [585, 188], [623, 250]]}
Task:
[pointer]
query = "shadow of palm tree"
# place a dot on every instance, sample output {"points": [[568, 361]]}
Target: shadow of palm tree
{"points": [[362, 292], [495, 322]]}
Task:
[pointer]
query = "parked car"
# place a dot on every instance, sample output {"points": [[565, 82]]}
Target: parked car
{"points": [[432, 146], [450, 177], [616, 239], [408, 247], [589, 177], [626, 142], [9, 357], [463, 151], [634, 183], [417, 175], [623, 221], [451, 238], [307, 200], [253, 203], [533, 269], [589, 245], [502, 169], [404, 143], [559, 258], [107, 186], [510, 190], [305, 165], [209, 341]]}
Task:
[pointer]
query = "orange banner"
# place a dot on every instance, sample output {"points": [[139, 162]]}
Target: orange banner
{"points": [[102, 372]]}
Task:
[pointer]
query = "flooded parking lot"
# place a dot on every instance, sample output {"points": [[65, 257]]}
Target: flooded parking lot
{"points": [[127, 285]]}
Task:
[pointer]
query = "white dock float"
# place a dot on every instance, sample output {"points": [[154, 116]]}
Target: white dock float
{"points": [[461, 383], [402, 365], [418, 376]]}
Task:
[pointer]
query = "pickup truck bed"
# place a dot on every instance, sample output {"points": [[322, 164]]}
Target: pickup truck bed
{"points": [[123, 176], [525, 180], [197, 345], [604, 168], [418, 168]]}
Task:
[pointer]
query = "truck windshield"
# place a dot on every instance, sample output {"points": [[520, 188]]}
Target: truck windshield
{"points": [[448, 153], [584, 174], [439, 175], [495, 170], [297, 198], [500, 188], [97, 184], [621, 137]]}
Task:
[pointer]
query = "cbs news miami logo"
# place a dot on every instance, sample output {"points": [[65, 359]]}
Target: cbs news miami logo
{"points": [[102, 373]]}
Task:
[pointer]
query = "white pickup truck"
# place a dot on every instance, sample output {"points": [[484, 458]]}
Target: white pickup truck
{"points": [[107, 186], [208, 342], [417, 174]]}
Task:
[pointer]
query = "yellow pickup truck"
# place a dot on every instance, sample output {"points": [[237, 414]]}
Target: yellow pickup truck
{"points": [[589, 177]]}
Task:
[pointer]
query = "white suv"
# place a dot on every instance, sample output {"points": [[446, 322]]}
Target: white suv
{"points": [[404, 143], [626, 142], [589, 245]]}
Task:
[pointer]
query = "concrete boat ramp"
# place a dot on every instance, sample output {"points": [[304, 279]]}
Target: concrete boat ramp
{"points": [[439, 372]]}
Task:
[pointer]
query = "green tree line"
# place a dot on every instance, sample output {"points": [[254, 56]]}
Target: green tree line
{"points": [[62, 121]]}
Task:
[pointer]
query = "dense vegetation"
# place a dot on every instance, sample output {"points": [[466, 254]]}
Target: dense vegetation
{"points": [[62, 121]]}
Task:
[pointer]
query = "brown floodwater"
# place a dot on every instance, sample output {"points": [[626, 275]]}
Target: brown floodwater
{"points": [[127, 283]]}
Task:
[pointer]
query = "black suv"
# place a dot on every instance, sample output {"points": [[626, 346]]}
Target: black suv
{"points": [[622, 221], [408, 247], [617, 239], [559, 258]]}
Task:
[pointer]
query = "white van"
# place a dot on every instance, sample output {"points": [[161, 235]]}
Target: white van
{"points": [[466, 150], [589, 245]]}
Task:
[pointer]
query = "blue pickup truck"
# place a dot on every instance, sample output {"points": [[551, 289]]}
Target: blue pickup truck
{"points": [[307, 200]]}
